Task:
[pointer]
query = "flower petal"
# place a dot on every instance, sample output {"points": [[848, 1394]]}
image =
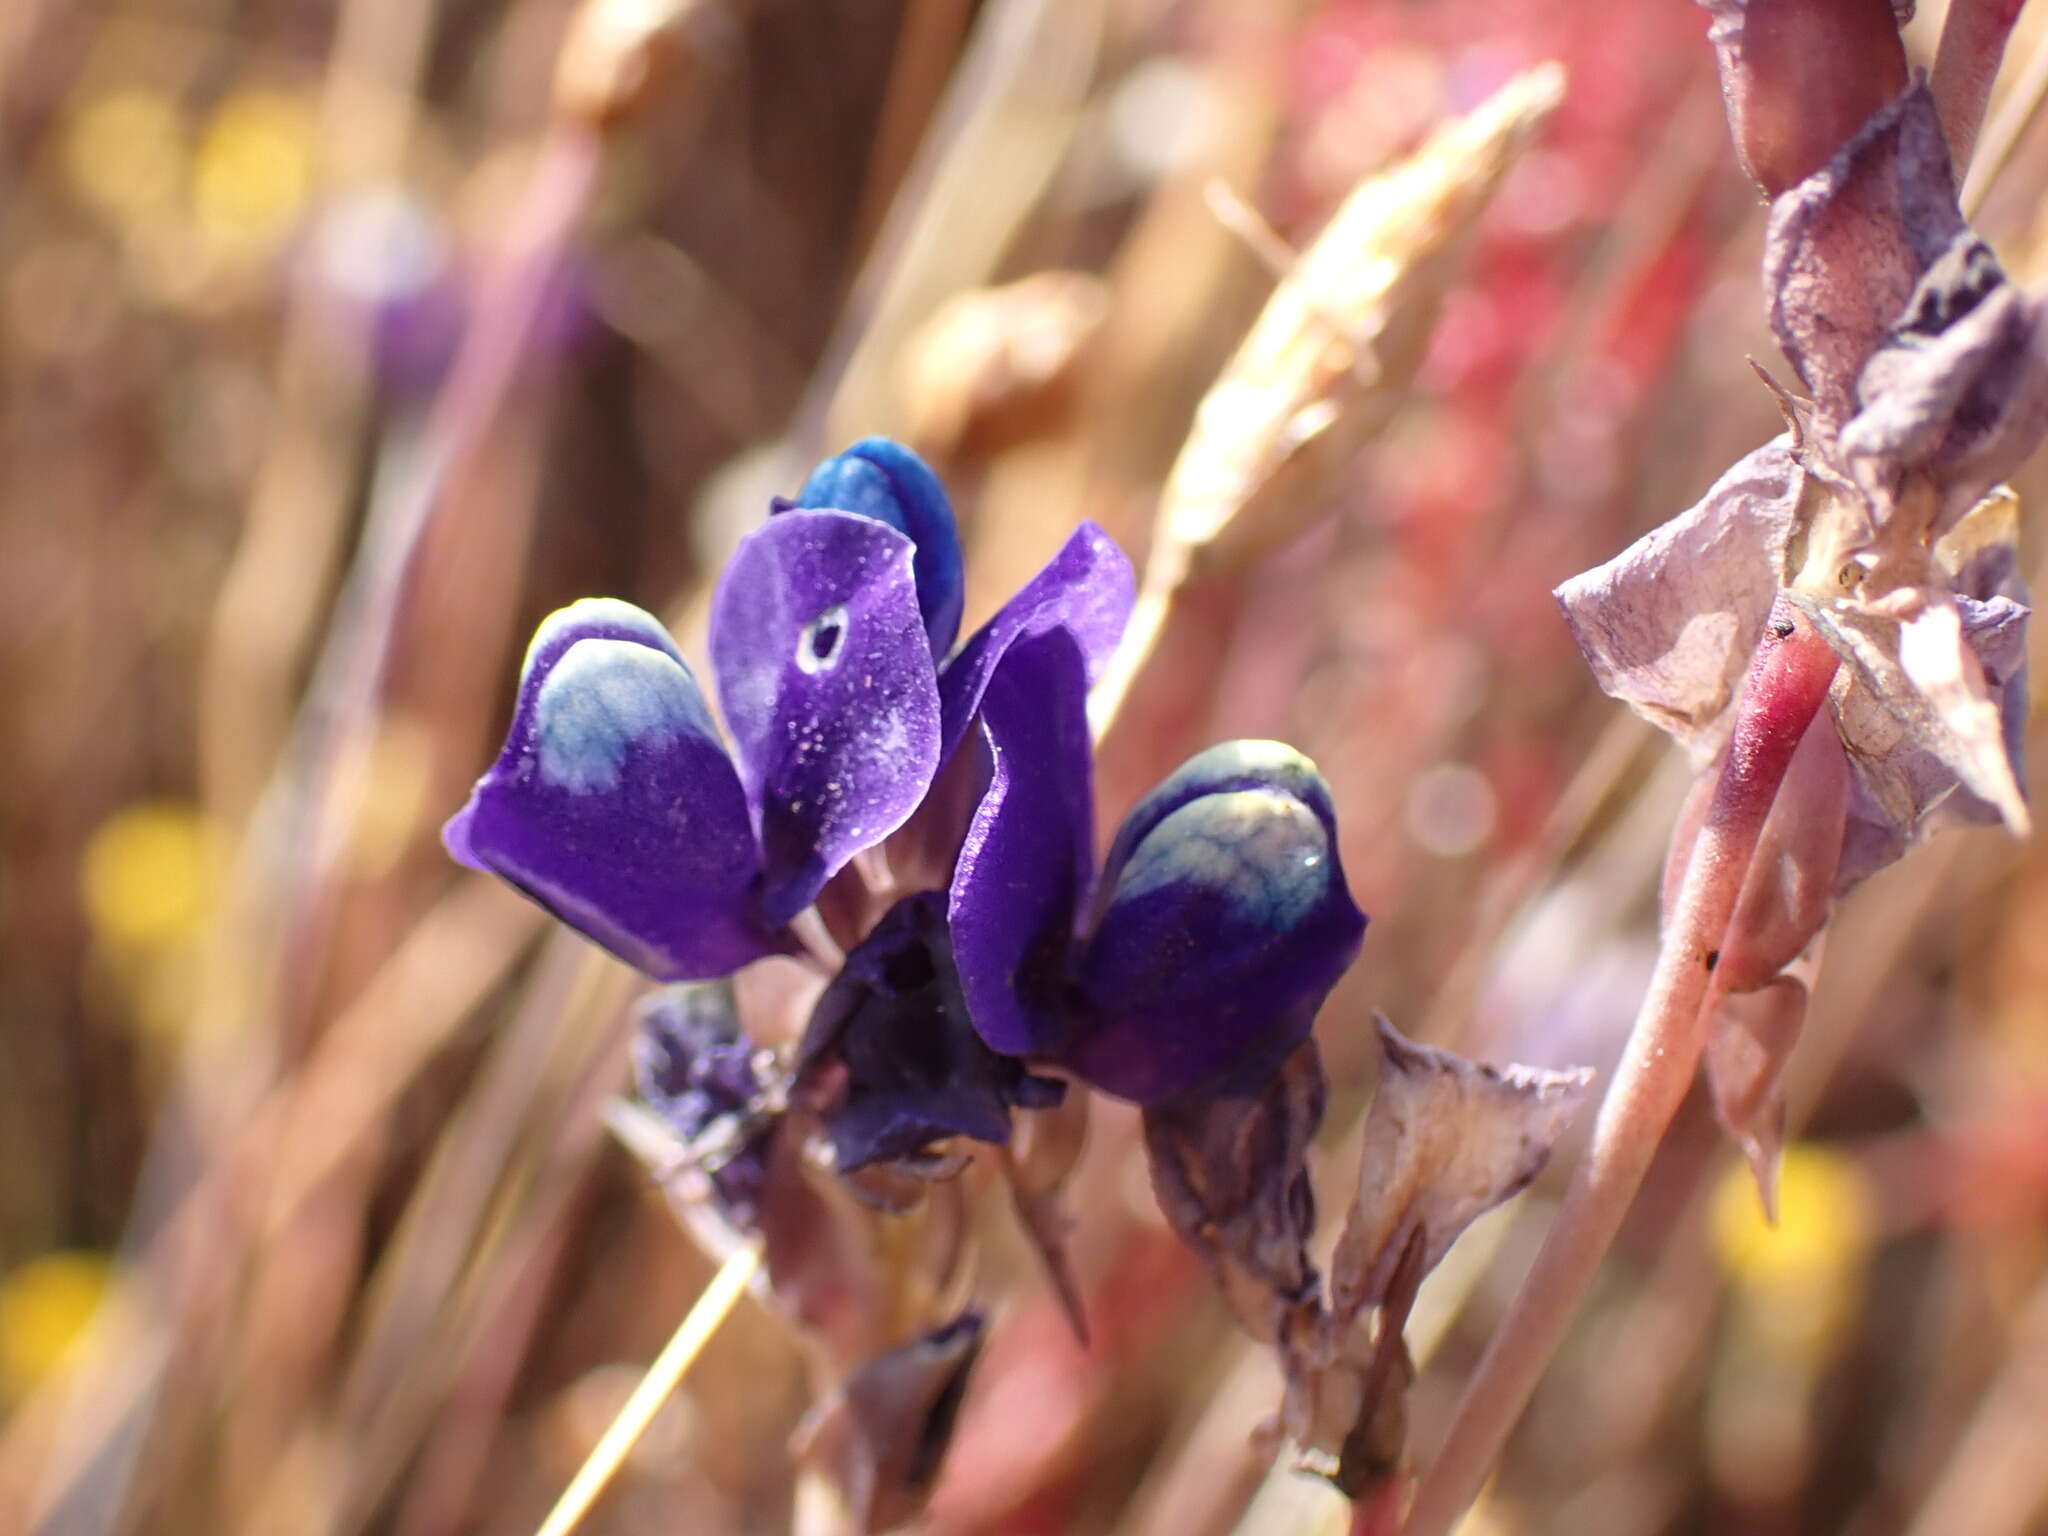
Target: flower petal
{"points": [[1085, 589], [880, 478], [825, 674], [1027, 862], [1669, 624], [1228, 924], [614, 804], [1222, 769]]}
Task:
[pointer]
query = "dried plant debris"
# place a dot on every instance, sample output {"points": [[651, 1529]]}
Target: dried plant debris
{"points": [[882, 1438], [1231, 1177], [1331, 355], [1446, 1140], [1878, 518]]}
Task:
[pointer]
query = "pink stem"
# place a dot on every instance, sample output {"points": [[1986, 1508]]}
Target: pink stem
{"points": [[1972, 46], [1788, 681]]}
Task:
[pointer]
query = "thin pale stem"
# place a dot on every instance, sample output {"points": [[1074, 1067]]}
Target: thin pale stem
{"points": [[809, 930], [1788, 681], [662, 1378]]}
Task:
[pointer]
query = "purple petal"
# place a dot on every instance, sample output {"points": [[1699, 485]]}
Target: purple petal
{"points": [[1086, 589], [1222, 769], [614, 804], [588, 618], [826, 677], [1229, 923], [1026, 863]]}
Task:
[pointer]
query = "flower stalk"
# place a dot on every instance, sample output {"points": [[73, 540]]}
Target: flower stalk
{"points": [[1788, 683]]}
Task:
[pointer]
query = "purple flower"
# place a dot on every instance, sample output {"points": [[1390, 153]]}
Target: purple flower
{"points": [[1224, 918], [616, 805]]}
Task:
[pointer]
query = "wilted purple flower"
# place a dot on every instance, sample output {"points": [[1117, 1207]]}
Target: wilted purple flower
{"points": [[891, 1056], [1223, 920], [712, 1089]]}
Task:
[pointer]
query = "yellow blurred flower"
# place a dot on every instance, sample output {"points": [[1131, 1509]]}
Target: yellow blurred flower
{"points": [[147, 878], [125, 153], [1801, 1280], [45, 1306], [253, 171]]}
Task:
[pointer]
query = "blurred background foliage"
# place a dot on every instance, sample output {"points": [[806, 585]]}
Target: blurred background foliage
{"points": [[340, 340]]}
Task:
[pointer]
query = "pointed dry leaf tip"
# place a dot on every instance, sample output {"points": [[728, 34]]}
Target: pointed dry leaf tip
{"points": [[1446, 1140], [1231, 1177], [1668, 626], [882, 1439], [1801, 76], [1749, 1042], [1330, 355]]}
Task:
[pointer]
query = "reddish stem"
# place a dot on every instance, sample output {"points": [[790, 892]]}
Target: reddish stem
{"points": [[1788, 681], [1972, 47], [1800, 77]]}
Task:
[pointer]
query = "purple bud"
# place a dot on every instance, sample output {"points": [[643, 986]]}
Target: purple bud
{"points": [[880, 478], [1225, 923]]}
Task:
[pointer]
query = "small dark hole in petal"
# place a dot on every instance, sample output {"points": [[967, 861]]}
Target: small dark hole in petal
{"points": [[825, 640]]}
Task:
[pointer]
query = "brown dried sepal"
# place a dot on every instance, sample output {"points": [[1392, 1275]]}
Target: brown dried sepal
{"points": [[881, 1439], [1231, 1177], [1446, 1140]]}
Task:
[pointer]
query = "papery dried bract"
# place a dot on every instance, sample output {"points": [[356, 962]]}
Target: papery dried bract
{"points": [[1958, 389], [1749, 1042], [1446, 1140], [1848, 245], [1668, 625], [1231, 1177], [882, 1438]]}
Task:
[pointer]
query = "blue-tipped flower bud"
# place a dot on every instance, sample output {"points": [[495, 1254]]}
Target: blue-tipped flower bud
{"points": [[1224, 924], [880, 478]]}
